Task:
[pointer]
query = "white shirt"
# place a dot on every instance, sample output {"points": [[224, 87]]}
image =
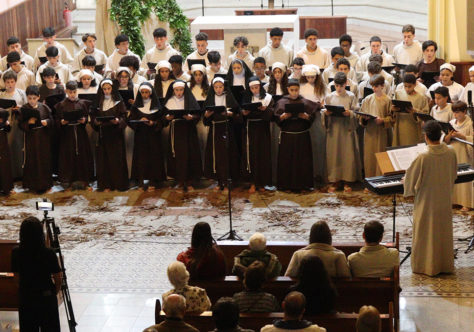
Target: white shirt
{"points": [[18, 96], [365, 84], [353, 58], [442, 114], [197, 92], [248, 59], [99, 56], [88, 91], [61, 69], [420, 88], [373, 261], [239, 79], [281, 54], [320, 57], [210, 73], [330, 72], [455, 90], [154, 55], [138, 79], [24, 79], [220, 100], [175, 103], [265, 101], [28, 60], [469, 87], [184, 77], [195, 56], [408, 55], [64, 55], [146, 106], [114, 60]]}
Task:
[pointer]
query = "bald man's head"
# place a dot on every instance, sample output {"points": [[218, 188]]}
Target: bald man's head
{"points": [[294, 305], [174, 306]]}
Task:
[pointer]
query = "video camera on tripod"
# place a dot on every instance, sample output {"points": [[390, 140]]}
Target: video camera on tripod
{"points": [[52, 233]]}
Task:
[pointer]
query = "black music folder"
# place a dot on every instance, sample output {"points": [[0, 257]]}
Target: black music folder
{"points": [[196, 62], [368, 91], [371, 117], [7, 103], [423, 116], [216, 109], [52, 100], [252, 107], [105, 118], [28, 113], [126, 96], [4, 114], [276, 98], [333, 88], [99, 69], [336, 110], [294, 109], [73, 116], [223, 76], [428, 77], [446, 127], [399, 65], [402, 105], [388, 69], [91, 97]]}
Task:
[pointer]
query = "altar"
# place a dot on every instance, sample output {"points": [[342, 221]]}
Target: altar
{"points": [[254, 27]]}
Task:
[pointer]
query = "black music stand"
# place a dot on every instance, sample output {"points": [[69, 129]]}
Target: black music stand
{"points": [[231, 234], [470, 239]]}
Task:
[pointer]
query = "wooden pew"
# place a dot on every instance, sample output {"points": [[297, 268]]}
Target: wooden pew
{"points": [[8, 283], [284, 250], [255, 321], [352, 293]]}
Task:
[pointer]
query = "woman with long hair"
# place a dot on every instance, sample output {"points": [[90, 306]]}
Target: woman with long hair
{"points": [[204, 259], [37, 267]]}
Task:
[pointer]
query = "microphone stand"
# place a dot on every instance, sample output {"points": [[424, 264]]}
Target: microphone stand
{"points": [[231, 234], [470, 239]]}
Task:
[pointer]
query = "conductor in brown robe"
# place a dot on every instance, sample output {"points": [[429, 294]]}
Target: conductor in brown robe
{"points": [[37, 165], [295, 159], [75, 158], [256, 140], [184, 154], [146, 119], [6, 177], [108, 119], [216, 164]]}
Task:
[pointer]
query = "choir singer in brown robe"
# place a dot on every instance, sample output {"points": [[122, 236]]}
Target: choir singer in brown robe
{"points": [[295, 159], [146, 119], [430, 178], [6, 177], [184, 155], [75, 158], [109, 120], [37, 165]]}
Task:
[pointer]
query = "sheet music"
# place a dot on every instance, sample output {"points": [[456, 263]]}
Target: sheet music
{"points": [[402, 158]]}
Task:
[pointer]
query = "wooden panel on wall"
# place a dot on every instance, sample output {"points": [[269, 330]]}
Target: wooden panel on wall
{"points": [[327, 26], [28, 19], [461, 75]]}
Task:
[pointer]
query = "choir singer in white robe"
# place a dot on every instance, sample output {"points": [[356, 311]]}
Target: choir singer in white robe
{"points": [[430, 178]]}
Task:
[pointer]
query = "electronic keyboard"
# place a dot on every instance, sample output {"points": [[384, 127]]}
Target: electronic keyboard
{"points": [[392, 184]]}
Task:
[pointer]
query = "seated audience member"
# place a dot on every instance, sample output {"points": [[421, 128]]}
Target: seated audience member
{"points": [[373, 260], [197, 300], [293, 308], [253, 299], [368, 320], [226, 316], [174, 307], [320, 240], [204, 260], [316, 286], [257, 252]]}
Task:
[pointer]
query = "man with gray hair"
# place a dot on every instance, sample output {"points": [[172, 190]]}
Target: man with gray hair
{"points": [[174, 307], [257, 252]]}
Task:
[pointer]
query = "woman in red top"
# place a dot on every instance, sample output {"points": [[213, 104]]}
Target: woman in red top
{"points": [[204, 260]]}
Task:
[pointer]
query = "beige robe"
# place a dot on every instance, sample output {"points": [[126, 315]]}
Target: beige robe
{"points": [[406, 127], [375, 136], [342, 147], [462, 194], [430, 178]]}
